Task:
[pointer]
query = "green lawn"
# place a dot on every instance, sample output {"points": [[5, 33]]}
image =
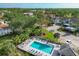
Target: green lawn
{"points": [[49, 36]]}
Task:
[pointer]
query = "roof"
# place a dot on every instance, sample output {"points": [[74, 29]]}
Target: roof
{"points": [[74, 20], [70, 29], [3, 25], [66, 50]]}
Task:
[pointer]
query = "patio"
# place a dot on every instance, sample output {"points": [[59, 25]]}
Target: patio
{"points": [[25, 46]]}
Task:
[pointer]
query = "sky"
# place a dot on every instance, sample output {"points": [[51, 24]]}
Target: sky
{"points": [[39, 5]]}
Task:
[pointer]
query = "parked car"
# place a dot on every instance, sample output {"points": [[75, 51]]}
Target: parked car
{"points": [[66, 25], [69, 41]]}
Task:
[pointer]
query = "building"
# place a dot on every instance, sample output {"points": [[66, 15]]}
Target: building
{"points": [[28, 13], [4, 28], [74, 20], [57, 20], [3, 24], [66, 20], [70, 29], [66, 50]]}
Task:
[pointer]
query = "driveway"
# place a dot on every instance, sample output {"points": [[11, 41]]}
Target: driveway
{"points": [[54, 28], [74, 40], [65, 36]]}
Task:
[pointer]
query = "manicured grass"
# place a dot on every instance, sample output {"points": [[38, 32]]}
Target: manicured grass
{"points": [[49, 36]]}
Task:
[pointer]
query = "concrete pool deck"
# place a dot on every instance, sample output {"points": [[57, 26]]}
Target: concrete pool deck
{"points": [[25, 46]]}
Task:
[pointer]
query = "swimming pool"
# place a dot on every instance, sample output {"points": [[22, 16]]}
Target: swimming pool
{"points": [[43, 47]]}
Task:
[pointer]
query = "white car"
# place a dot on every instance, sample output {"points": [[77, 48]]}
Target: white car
{"points": [[69, 41]]}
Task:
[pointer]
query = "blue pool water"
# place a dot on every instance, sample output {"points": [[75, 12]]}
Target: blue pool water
{"points": [[43, 47]]}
